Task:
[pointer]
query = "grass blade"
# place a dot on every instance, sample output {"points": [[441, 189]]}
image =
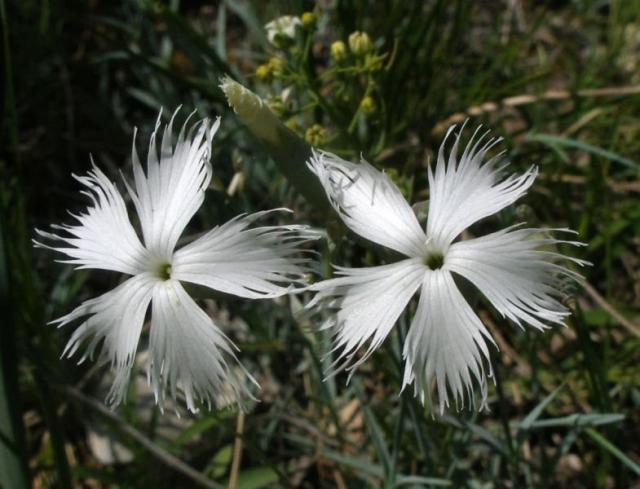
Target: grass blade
{"points": [[580, 145], [535, 413], [13, 467], [613, 450]]}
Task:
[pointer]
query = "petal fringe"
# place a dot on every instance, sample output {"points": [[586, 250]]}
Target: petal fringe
{"points": [[104, 237], [191, 354], [519, 272], [465, 190], [446, 344], [365, 303], [255, 263], [116, 318], [369, 203], [172, 189]]}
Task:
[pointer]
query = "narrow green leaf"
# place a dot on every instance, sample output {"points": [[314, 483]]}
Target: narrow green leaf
{"points": [[13, 467], [592, 419], [535, 413], [365, 467], [406, 480], [257, 478], [220, 462], [580, 145], [613, 450], [482, 433], [377, 436], [13, 464], [197, 428]]}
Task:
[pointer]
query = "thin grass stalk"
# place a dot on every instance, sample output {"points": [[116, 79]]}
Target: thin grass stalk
{"points": [[13, 462]]}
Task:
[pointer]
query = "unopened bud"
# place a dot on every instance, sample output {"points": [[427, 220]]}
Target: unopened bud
{"points": [[360, 43], [368, 105], [263, 72], [338, 51], [316, 135], [309, 20], [276, 66]]}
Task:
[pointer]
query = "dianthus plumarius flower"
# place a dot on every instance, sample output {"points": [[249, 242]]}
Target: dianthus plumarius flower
{"points": [[187, 350], [515, 268]]}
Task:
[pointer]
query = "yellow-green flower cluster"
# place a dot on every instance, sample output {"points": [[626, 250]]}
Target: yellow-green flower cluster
{"points": [[274, 68], [361, 49], [316, 135]]}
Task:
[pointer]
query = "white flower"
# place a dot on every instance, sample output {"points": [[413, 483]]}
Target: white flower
{"points": [[446, 341], [284, 27], [187, 350]]}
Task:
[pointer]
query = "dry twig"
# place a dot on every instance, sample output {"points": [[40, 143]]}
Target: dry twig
{"points": [[601, 301], [526, 99], [237, 451]]}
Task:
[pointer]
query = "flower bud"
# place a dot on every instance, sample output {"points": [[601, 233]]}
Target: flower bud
{"points": [[309, 20], [289, 151], [263, 72], [367, 105], [276, 66], [360, 43], [316, 135], [338, 51]]}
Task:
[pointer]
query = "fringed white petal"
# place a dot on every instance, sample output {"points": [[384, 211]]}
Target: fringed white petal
{"points": [[190, 353], [255, 263], [117, 318], [172, 189], [465, 189], [104, 237], [365, 304], [446, 343], [518, 273], [369, 203]]}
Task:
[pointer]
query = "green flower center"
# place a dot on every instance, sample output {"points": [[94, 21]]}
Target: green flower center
{"points": [[163, 271], [434, 260]]}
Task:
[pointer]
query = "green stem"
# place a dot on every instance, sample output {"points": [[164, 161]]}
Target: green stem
{"points": [[13, 466], [504, 421]]}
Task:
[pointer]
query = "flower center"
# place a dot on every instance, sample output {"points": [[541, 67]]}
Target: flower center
{"points": [[163, 271], [434, 260]]}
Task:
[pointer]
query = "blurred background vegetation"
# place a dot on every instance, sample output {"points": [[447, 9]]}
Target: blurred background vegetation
{"points": [[559, 80]]}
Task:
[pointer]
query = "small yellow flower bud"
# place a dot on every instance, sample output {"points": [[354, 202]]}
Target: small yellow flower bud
{"points": [[360, 43], [315, 135], [367, 105], [276, 66], [309, 20], [263, 72], [338, 51]]}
